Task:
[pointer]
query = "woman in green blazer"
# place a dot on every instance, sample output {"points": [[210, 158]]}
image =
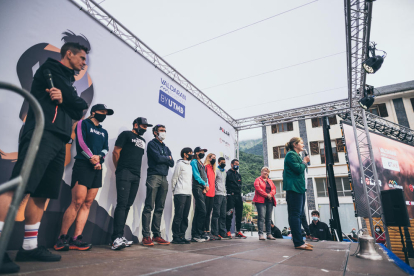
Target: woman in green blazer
{"points": [[295, 186]]}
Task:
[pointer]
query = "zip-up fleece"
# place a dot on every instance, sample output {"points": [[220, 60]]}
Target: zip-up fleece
{"points": [[199, 174], [181, 179], [221, 182], [90, 140], [71, 108]]}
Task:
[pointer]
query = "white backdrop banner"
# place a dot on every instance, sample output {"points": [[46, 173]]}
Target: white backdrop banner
{"points": [[32, 31]]}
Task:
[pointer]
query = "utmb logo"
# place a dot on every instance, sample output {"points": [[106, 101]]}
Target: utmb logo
{"points": [[224, 131]]}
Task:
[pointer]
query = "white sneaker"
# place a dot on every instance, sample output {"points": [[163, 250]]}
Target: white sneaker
{"points": [[198, 239], [118, 244], [127, 242]]}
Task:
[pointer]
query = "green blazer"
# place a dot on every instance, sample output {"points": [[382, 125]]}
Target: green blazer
{"points": [[294, 173]]}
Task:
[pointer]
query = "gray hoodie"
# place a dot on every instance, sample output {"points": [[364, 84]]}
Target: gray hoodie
{"points": [[221, 182], [182, 177]]}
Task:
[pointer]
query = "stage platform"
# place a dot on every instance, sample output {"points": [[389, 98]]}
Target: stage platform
{"points": [[228, 257]]}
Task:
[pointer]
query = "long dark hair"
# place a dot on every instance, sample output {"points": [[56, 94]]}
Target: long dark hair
{"points": [[294, 140]]}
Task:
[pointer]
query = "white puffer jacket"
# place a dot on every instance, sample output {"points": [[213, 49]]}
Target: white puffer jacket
{"points": [[182, 178]]}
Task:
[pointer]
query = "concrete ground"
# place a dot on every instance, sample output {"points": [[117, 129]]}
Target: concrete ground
{"points": [[228, 257]]}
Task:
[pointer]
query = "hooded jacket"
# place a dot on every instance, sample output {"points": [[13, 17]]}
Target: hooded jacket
{"points": [[182, 178], [72, 105], [220, 182]]}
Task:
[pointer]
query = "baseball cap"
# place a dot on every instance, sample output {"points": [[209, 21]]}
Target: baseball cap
{"points": [[101, 107], [142, 121], [198, 149]]}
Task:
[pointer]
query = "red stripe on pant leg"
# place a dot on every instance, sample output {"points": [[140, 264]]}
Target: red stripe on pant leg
{"points": [[30, 233]]}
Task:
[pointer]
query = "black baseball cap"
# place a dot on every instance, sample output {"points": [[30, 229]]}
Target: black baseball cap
{"points": [[198, 149], [101, 107], [141, 121]]}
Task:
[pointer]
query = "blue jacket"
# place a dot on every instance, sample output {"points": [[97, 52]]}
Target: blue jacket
{"points": [[90, 140], [158, 158], [199, 174]]}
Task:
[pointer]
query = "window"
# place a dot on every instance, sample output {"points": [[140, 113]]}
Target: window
{"points": [[319, 148], [279, 189], [342, 184], [279, 152], [379, 110], [282, 127], [412, 103], [318, 122]]}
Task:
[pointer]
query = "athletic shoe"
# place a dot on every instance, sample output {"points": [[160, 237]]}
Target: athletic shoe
{"points": [[225, 237], [212, 237], [146, 241], [127, 242], [311, 238], [198, 239], [38, 254], [205, 236], [178, 241], [270, 237], [185, 240], [229, 235], [261, 237], [240, 235], [62, 243], [159, 240], [78, 244], [8, 266], [118, 244], [217, 238]]}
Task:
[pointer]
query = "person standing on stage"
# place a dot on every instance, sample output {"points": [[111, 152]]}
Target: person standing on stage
{"points": [[210, 165], [91, 148], [181, 188], [200, 188], [127, 158], [295, 187], [60, 104], [159, 161], [218, 220], [234, 199]]}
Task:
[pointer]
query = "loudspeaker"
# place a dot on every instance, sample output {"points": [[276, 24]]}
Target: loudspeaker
{"points": [[394, 208]]}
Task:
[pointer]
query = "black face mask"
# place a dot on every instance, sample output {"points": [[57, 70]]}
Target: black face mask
{"points": [[201, 155], [189, 157], [222, 165], [212, 162], [99, 117], [140, 131]]}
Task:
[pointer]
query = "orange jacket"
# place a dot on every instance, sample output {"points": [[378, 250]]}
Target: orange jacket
{"points": [[211, 175], [260, 190]]}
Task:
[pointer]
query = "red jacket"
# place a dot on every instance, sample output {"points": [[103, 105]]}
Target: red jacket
{"points": [[211, 175], [260, 190]]}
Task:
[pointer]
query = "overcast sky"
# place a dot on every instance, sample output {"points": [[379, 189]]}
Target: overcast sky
{"points": [[306, 36]]}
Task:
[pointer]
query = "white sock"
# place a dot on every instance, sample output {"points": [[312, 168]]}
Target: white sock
{"points": [[30, 236]]}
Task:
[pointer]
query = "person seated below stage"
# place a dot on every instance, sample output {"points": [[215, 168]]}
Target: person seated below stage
{"points": [[353, 235], [319, 229], [275, 231], [379, 237], [285, 231]]}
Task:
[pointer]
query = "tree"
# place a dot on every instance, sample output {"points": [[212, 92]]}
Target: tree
{"points": [[247, 210]]}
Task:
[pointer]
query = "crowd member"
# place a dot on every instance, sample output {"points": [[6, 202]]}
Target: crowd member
{"points": [[379, 238], [285, 231], [264, 200], [218, 220], [91, 149], [159, 161], [234, 199], [318, 228], [210, 165], [353, 235], [181, 188], [200, 188], [305, 226], [127, 158], [60, 104], [295, 187], [275, 231]]}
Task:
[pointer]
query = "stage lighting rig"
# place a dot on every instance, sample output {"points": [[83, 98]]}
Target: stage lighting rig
{"points": [[373, 64], [368, 99]]}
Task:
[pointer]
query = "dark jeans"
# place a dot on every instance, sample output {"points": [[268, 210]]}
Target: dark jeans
{"points": [[182, 204], [295, 202], [234, 203], [127, 185], [264, 212], [157, 188], [209, 208], [305, 224], [199, 212], [218, 221]]}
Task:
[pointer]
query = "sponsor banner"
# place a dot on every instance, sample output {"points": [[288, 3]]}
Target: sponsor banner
{"points": [[390, 164], [171, 104]]}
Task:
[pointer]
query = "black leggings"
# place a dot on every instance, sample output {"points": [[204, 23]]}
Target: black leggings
{"points": [[209, 209]]}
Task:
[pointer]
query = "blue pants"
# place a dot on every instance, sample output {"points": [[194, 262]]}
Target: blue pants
{"points": [[295, 202]]}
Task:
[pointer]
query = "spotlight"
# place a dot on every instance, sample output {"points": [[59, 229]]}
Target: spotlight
{"points": [[373, 63], [367, 101]]}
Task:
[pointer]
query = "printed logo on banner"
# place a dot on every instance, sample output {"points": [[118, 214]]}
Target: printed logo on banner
{"points": [[224, 131], [172, 98], [227, 144], [411, 188], [370, 181], [393, 184], [390, 164], [224, 156]]}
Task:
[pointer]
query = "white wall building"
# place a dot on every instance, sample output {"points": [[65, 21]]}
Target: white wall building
{"points": [[393, 102]]}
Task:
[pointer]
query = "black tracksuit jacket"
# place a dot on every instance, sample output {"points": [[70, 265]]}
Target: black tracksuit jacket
{"points": [[233, 182]]}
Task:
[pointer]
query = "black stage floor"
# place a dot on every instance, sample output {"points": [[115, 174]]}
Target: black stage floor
{"points": [[229, 257]]}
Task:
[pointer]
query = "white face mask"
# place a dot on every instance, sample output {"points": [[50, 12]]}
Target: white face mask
{"points": [[162, 136], [315, 218]]}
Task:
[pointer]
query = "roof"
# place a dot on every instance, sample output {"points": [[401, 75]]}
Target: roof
{"points": [[394, 88]]}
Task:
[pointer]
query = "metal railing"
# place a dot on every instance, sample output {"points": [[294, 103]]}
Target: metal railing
{"points": [[18, 184]]}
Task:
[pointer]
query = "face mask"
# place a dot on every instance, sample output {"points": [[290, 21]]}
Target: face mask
{"points": [[222, 165], [354, 231], [315, 218], [140, 131], [189, 157], [377, 229], [201, 155], [212, 162], [162, 135], [235, 168], [99, 117]]}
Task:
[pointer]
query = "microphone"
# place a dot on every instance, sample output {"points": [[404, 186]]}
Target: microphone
{"points": [[306, 152], [48, 75]]}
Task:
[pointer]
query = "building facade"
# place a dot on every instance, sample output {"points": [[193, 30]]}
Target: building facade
{"points": [[394, 103]]}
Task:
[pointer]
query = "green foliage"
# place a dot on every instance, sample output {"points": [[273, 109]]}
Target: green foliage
{"points": [[247, 144], [256, 149], [250, 166], [247, 209]]}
